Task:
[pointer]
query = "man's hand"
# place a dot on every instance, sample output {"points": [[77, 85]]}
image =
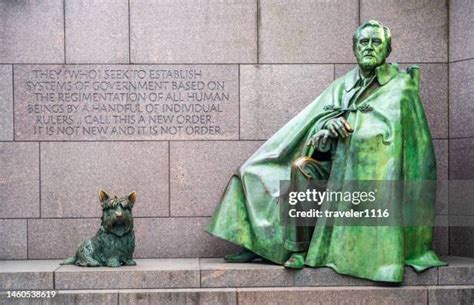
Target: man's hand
{"points": [[319, 140], [339, 127]]}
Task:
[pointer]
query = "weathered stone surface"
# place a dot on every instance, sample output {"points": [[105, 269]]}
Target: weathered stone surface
{"points": [[441, 235], [183, 32], [328, 277], [179, 296], [27, 274], [451, 295], [461, 194], [217, 273], [341, 69], [332, 295], [273, 94], [154, 237], [178, 237], [97, 31], [461, 154], [163, 273], [441, 151], [461, 236], [13, 238], [442, 198], [19, 182], [58, 238], [302, 33], [419, 28], [32, 32], [426, 277], [6, 103], [461, 27], [118, 167], [77, 297], [459, 272], [196, 187], [461, 95], [126, 102]]}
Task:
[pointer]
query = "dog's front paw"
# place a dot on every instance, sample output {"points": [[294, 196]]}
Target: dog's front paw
{"points": [[113, 262], [130, 262]]}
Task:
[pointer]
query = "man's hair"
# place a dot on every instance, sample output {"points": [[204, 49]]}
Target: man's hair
{"points": [[373, 23]]}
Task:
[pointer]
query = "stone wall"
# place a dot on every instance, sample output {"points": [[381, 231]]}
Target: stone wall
{"points": [[266, 60], [461, 124]]}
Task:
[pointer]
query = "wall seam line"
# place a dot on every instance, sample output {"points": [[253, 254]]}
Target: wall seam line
{"points": [[13, 102], [129, 36], [64, 30], [239, 119], [258, 30], [460, 60], [169, 178], [39, 176], [359, 11], [27, 239], [449, 115], [219, 63]]}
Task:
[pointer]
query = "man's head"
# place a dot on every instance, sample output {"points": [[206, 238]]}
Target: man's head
{"points": [[371, 44]]}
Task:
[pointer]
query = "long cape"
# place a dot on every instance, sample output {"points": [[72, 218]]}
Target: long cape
{"points": [[390, 142]]}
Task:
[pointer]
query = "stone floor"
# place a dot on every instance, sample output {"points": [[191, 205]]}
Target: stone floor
{"points": [[212, 281]]}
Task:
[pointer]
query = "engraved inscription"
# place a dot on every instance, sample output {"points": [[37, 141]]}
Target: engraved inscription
{"points": [[80, 102]]}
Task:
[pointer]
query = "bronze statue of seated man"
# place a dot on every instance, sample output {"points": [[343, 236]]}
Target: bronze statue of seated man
{"points": [[367, 125]]}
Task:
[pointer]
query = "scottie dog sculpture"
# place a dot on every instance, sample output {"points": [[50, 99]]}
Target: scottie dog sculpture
{"points": [[114, 243]]}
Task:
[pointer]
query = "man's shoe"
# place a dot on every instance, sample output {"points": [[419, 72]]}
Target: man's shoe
{"points": [[241, 257], [296, 261]]}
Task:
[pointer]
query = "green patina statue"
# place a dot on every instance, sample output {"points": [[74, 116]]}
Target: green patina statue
{"points": [[367, 125], [114, 243]]}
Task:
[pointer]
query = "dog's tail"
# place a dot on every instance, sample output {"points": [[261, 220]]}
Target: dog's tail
{"points": [[69, 261]]}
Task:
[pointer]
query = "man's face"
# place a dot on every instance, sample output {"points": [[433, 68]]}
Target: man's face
{"points": [[371, 48]]}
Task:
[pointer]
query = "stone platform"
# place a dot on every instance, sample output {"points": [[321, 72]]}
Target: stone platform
{"points": [[212, 281]]}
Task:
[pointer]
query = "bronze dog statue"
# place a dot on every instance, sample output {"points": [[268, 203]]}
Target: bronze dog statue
{"points": [[114, 243]]}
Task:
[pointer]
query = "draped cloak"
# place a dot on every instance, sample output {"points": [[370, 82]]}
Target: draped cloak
{"points": [[390, 142]]}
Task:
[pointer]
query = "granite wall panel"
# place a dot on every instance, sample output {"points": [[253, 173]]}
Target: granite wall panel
{"points": [[461, 235], [200, 172], [270, 95], [221, 31], [13, 238], [6, 103], [19, 180], [74, 173], [307, 32], [32, 31], [461, 27], [461, 97], [178, 237], [97, 31]]}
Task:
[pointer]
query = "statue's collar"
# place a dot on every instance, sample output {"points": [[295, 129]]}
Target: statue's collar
{"points": [[384, 74]]}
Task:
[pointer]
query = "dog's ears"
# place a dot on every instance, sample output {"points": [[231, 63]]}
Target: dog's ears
{"points": [[103, 196], [132, 197]]}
